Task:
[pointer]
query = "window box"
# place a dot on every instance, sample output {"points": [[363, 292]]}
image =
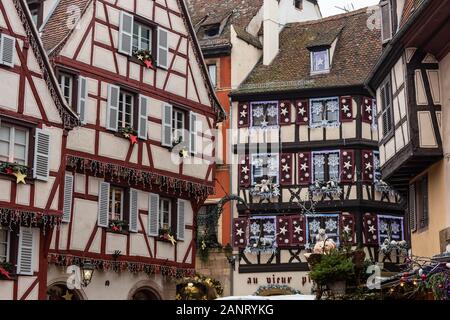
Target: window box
{"points": [[118, 226], [12, 168], [322, 188], [6, 271], [145, 57], [128, 133], [165, 235]]}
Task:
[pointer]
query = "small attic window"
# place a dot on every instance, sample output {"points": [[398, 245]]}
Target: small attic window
{"points": [[320, 61], [298, 4], [212, 30]]}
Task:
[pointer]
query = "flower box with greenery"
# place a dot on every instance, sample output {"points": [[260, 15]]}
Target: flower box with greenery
{"points": [[166, 235], [6, 271], [145, 57], [326, 188], [15, 169], [118, 226], [129, 133]]}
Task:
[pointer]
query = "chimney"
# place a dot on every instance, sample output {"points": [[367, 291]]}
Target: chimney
{"points": [[271, 40]]}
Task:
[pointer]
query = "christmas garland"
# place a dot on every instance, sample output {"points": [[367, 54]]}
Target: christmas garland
{"points": [[146, 57], [13, 217], [19, 171], [285, 289], [65, 260], [135, 176]]}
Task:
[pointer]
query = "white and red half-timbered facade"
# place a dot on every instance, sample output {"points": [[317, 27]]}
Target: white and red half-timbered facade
{"points": [[34, 123], [306, 155], [142, 162]]}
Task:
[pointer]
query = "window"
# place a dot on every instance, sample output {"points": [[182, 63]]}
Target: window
{"points": [[326, 166], [142, 37], [327, 222], [4, 244], [212, 70], [212, 31], [421, 202], [66, 85], [264, 114], [265, 167], [386, 107], [35, 7], [207, 225], [116, 202], [178, 124], [320, 61], [13, 144], [324, 112], [126, 105], [298, 4], [165, 213], [376, 166], [391, 228], [386, 21]]}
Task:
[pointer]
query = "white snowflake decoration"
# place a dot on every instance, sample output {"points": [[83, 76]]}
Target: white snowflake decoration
{"points": [[319, 160], [331, 224], [395, 228], [317, 108], [254, 228], [314, 226], [269, 227], [332, 106], [272, 111], [333, 160], [258, 112], [258, 162], [272, 164], [383, 227]]}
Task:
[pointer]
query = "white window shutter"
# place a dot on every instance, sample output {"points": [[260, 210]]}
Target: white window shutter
{"points": [[7, 46], [26, 251], [103, 205], [68, 196], [166, 138], [134, 210], [386, 21], [41, 168], [82, 98], [163, 48], [181, 208], [153, 215], [143, 116], [126, 33], [112, 113], [193, 131]]}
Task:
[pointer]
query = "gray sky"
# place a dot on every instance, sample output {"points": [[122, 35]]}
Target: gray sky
{"points": [[328, 6]]}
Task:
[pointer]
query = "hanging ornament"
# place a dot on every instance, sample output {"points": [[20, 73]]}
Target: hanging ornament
{"points": [[133, 139], [20, 177], [172, 239], [67, 296], [148, 64], [9, 170]]}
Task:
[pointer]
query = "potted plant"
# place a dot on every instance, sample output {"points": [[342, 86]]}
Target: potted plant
{"points": [[333, 270], [6, 269]]}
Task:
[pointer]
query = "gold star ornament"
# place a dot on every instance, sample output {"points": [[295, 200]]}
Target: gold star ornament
{"points": [[172, 239], [67, 296], [20, 177]]}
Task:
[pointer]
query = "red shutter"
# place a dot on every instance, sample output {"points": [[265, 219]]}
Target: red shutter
{"points": [[244, 115], [304, 168], [240, 232], [348, 225], [346, 109], [367, 110], [284, 231], [367, 165], [298, 230], [286, 169], [244, 171], [285, 113], [370, 227], [347, 166], [302, 110]]}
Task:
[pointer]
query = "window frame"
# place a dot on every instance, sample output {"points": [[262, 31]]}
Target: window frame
{"points": [[376, 169], [266, 104], [12, 143], [422, 203], [391, 28], [213, 81], [161, 213], [73, 104], [7, 256], [259, 155], [326, 167], [113, 188], [325, 114], [387, 111], [39, 6], [121, 123], [141, 24], [323, 216], [64, 75], [185, 126], [328, 61]]}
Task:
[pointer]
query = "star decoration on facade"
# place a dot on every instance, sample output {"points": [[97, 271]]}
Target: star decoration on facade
{"points": [[172, 239], [67, 296], [372, 229], [347, 229], [264, 124], [345, 108], [298, 230], [140, 57], [347, 165], [383, 247], [301, 111], [148, 64], [133, 139], [20, 177], [283, 230], [286, 168], [245, 169], [284, 111], [369, 166], [244, 113], [368, 109], [307, 246], [239, 232], [304, 167]]}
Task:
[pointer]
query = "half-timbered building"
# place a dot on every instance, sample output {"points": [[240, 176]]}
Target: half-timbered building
{"points": [[34, 124], [306, 158], [231, 37], [142, 163], [411, 83]]}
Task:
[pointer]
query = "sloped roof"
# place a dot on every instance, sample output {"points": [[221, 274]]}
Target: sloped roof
{"points": [[357, 50], [238, 12], [408, 9]]}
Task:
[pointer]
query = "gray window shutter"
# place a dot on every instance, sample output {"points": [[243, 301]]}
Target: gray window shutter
{"points": [[181, 208], [143, 116], [412, 208], [166, 139], [386, 21], [134, 210], [82, 98], [112, 115], [41, 155], [7, 45], [68, 196], [26, 251], [126, 33], [163, 48], [103, 205], [153, 215], [193, 132], [424, 217]]}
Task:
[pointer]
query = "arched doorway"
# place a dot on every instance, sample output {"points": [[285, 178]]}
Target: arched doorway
{"points": [[59, 291], [145, 294]]}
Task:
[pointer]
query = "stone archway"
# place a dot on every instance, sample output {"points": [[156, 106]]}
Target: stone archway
{"points": [[145, 290], [59, 291]]}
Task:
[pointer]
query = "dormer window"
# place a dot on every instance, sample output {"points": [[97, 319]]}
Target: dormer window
{"points": [[212, 30], [386, 21], [320, 61], [36, 9]]}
